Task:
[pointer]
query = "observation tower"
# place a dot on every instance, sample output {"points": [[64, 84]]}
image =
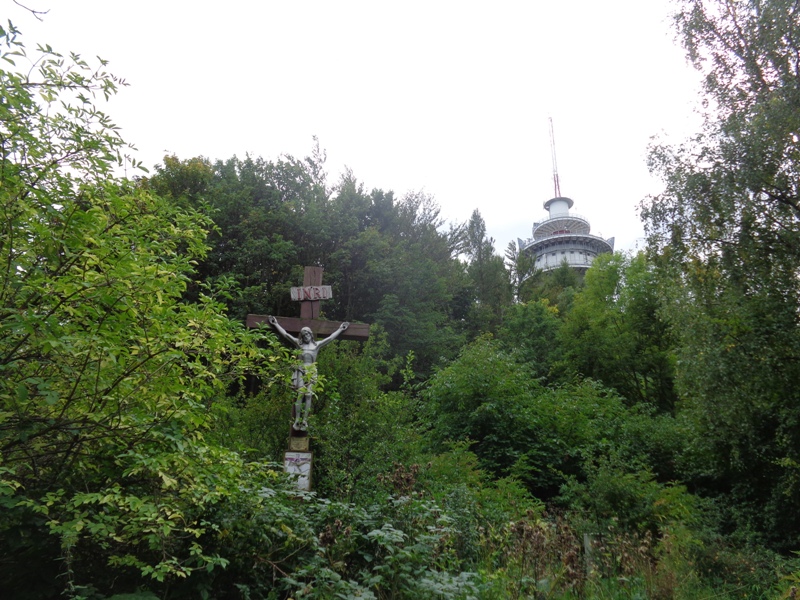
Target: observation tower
{"points": [[562, 236]]}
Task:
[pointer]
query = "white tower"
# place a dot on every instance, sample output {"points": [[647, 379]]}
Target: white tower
{"points": [[562, 236]]}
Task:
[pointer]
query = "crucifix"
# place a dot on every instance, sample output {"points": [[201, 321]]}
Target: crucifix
{"points": [[305, 374]]}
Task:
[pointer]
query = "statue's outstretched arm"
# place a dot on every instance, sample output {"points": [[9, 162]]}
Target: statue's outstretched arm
{"points": [[334, 335], [274, 322]]}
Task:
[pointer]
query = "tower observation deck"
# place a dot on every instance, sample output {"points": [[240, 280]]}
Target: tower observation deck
{"points": [[563, 236]]}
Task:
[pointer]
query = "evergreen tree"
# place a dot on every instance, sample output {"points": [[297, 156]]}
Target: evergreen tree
{"points": [[490, 284]]}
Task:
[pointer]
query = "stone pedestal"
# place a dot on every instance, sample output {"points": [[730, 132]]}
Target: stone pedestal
{"points": [[298, 459], [299, 463]]}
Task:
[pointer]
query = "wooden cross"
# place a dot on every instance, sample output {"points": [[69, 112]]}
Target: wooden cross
{"points": [[298, 458], [309, 297]]}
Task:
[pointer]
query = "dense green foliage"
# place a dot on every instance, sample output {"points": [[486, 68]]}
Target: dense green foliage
{"points": [[614, 332], [504, 433], [107, 378], [725, 232], [387, 259]]}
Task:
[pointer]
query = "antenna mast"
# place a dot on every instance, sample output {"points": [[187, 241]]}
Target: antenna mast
{"points": [[555, 164]]}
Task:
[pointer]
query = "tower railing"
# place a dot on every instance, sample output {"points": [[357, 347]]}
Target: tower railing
{"points": [[530, 241], [570, 215]]}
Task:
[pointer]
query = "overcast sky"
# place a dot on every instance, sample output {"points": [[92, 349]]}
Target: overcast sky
{"points": [[448, 97]]}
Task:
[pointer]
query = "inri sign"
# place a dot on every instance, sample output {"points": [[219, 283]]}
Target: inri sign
{"points": [[312, 292]]}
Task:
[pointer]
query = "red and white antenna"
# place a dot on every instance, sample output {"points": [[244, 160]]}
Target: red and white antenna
{"points": [[556, 183]]}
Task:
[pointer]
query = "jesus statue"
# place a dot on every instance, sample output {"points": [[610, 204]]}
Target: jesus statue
{"points": [[305, 374]]}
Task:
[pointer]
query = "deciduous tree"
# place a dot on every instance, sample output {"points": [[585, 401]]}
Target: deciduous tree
{"points": [[727, 229], [107, 379]]}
